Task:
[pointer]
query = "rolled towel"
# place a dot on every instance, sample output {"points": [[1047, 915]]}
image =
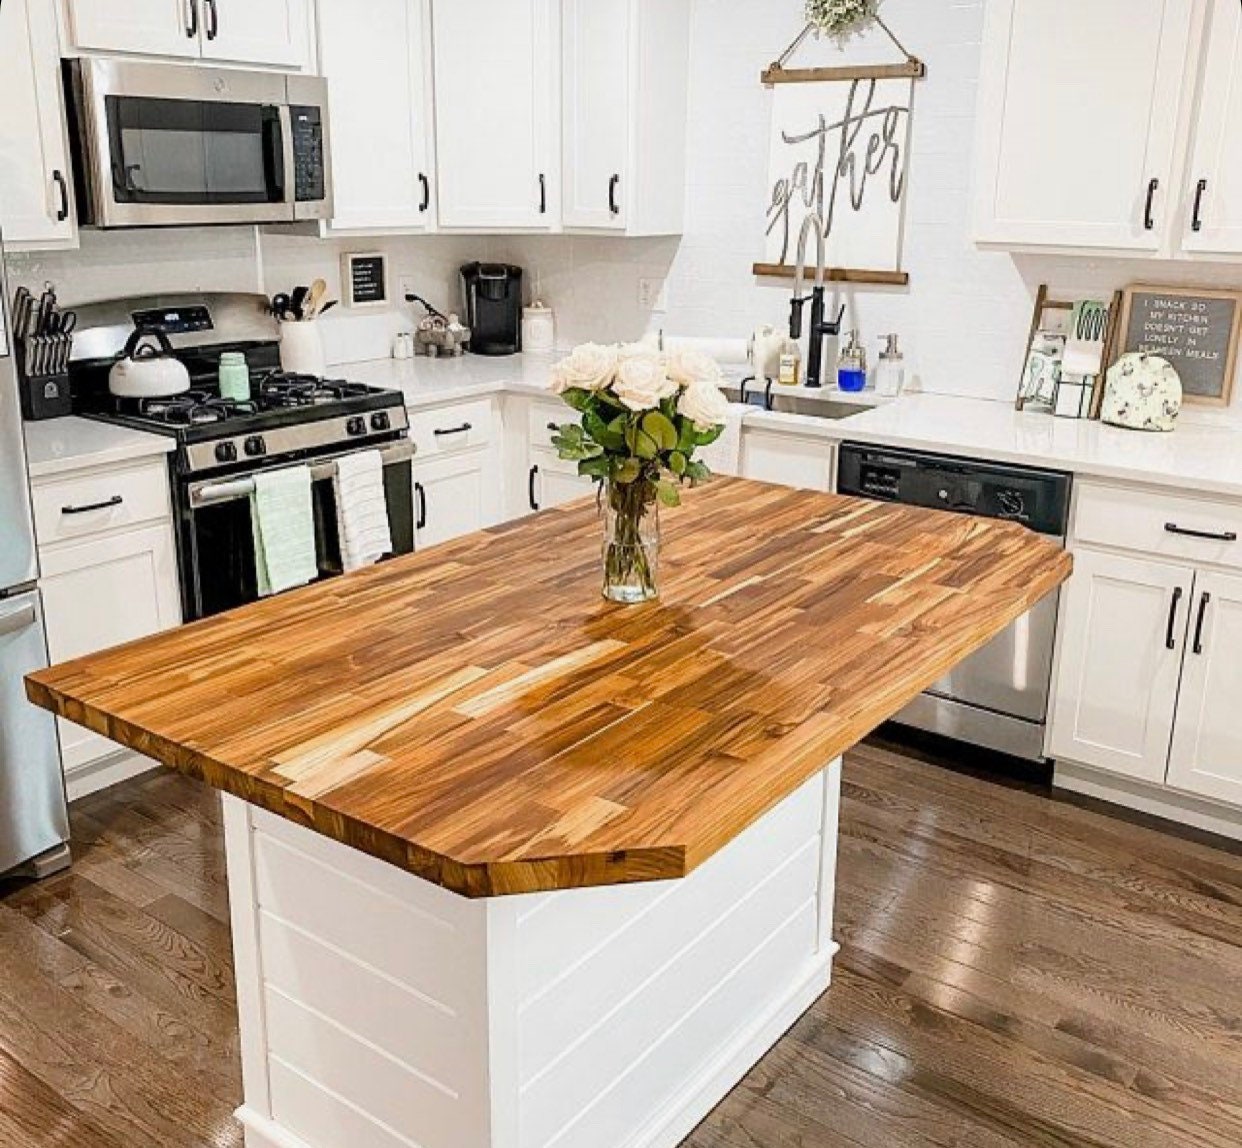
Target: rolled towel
{"points": [[283, 524], [362, 509]]}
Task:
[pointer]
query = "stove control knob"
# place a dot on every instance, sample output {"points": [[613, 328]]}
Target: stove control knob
{"points": [[226, 452], [380, 421], [255, 446], [356, 425]]}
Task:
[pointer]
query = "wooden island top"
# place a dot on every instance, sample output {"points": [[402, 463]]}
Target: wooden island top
{"points": [[478, 715]]}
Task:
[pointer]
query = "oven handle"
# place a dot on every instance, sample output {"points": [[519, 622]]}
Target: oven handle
{"points": [[229, 490]]}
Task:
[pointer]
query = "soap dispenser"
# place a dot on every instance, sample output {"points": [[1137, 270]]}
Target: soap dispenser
{"points": [[890, 373], [852, 368]]}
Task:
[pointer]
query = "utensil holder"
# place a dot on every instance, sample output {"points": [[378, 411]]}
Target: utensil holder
{"points": [[301, 349]]}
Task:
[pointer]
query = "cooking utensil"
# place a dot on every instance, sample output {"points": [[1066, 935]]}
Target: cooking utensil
{"points": [[280, 306], [327, 307], [314, 297], [297, 302], [148, 369]]}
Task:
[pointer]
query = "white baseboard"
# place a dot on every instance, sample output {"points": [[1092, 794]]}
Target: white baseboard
{"points": [[262, 1133], [672, 1124], [90, 778], [1155, 800]]}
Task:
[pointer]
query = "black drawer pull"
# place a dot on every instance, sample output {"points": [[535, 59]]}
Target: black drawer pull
{"points": [[213, 28], [1204, 603], [613, 205], [107, 504], [1196, 222], [543, 194], [1149, 223], [530, 488], [191, 25], [62, 187], [463, 429], [554, 428], [421, 495], [1209, 535], [1170, 640], [426, 183]]}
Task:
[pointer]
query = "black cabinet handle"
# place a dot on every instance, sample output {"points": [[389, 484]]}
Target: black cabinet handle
{"points": [[422, 178], [1211, 536], [1196, 221], [453, 430], [213, 25], [107, 503], [543, 194], [419, 493], [554, 428], [62, 212], [191, 27], [1204, 603], [1148, 222], [530, 488], [613, 206], [1169, 640]]}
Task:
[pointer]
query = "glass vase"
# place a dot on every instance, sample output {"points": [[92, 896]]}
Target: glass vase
{"points": [[631, 551]]}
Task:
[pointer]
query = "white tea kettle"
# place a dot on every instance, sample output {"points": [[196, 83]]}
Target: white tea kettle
{"points": [[148, 369]]}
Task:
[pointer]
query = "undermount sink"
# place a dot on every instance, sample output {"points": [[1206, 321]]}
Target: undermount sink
{"points": [[800, 403]]}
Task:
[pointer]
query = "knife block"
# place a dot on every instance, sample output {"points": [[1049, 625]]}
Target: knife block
{"points": [[45, 396]]}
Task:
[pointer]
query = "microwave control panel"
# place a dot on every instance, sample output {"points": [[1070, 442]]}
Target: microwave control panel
{"points": [[308, 156]]}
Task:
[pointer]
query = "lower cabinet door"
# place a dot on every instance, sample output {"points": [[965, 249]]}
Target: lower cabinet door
{"points": [[553, 482], [452, 496], [1124, 623], [1207, 738], [787, 459], [102, 592]]}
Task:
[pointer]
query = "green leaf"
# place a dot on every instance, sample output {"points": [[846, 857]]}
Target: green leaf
{"points": [[600, 467], [707, 437], [661, 431], [668, 493], [698, 472], [602, 432], [627, 471], [641, 443], [677, 463], [579, 399], [685, 435]]}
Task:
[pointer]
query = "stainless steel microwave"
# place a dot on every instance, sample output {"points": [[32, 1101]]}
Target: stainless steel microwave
{"points": [[160, 145]]}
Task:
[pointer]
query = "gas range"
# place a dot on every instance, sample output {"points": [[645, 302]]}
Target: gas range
{"points": [[288, 417]]}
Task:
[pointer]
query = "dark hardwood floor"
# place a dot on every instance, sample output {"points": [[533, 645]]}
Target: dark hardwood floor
{"points": [[1014, 971]]}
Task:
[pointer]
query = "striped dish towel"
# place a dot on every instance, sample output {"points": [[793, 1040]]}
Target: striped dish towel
{"points": [[362, 509]]}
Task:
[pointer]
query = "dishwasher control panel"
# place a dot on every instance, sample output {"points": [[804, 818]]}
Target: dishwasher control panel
{"points": [[1038, 499]]}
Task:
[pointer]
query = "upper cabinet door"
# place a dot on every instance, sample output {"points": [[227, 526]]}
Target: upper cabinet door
{"points": [[378, 73], [272, 32], [1123, 630], [154, 27], [497, 80], [1078, 112], [1213, 186], [1207, 740], [36, 202], [596, 54]]}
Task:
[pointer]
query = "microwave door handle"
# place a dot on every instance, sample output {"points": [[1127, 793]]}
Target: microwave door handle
{"points": [[287, 158]]}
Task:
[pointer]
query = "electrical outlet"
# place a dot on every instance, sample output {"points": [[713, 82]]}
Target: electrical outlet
{"points": [[653, 294], [406, 285]]}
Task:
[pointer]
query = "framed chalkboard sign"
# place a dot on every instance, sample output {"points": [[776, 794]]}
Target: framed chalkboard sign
{"points": [[365, 279], [1194, 328]]}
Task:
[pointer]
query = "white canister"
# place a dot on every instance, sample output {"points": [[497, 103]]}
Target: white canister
{"points": [[301, 349], [538, 328]]}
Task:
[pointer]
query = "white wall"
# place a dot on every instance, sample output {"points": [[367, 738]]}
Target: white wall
{"points": [[963, 319]]}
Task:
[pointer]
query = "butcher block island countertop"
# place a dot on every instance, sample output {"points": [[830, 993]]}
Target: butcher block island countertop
{"points": [[478, 715]]}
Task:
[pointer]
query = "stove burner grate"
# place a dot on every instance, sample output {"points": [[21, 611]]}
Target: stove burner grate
{"points": [[194, 408], [280, 389]]}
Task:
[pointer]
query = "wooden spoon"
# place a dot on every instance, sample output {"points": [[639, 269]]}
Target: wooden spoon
{"points": [[318, 290]]}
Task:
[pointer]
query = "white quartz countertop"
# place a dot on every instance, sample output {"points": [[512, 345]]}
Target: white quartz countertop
{"points": [[57, 446], [1204, 453]]}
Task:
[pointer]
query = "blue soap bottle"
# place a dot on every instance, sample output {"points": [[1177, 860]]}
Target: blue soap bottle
{"points": [[852, 366]]}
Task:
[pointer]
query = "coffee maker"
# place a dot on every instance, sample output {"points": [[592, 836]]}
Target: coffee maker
{"points": [[493, 294]]}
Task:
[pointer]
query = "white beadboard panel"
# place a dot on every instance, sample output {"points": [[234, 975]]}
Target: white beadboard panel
{"points": [[429, 1036], [389, 1091], [321, 1118], [430, 940], [608, 1116], [568, 944]]}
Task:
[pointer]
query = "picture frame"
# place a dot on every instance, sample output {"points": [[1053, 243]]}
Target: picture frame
{"points": [[364, 279], [1197, 329]]}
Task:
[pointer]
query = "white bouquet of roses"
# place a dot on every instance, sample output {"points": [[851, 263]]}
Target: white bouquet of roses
{"points": [[643, 413]]}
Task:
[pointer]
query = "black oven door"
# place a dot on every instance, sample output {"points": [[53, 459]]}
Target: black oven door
{"points": [[216, 542]]}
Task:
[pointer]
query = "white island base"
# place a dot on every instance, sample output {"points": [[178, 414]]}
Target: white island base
{"points": [[380, 1011]]}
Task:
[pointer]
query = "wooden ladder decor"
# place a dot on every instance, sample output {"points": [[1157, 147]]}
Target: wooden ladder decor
{"points": [[1044, 304]]}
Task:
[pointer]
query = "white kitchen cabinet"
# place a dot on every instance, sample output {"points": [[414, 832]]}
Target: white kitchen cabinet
{"points": [[1079, 105], [1206, 758], [551, 481], [36, 203], [453, 495], [1123, 628], [625, 82], [497, 82], [98, 593], [379, 71], [787, 459], [1213, 183], [273, 33]]}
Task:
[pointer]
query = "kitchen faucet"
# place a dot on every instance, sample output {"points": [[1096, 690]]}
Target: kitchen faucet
{"points": [[819, 328]]}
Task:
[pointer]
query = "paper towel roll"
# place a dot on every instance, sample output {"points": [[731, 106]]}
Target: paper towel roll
{"points": [[722, 350]]}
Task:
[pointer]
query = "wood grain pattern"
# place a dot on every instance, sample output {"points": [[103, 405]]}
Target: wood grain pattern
{"points": [[478, 715]]}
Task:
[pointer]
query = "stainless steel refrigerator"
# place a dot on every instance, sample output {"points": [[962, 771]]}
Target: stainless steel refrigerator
{"points": [[34, 820]]}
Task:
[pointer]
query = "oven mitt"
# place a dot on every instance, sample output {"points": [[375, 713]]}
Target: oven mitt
{"points": [[283, 522]]}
